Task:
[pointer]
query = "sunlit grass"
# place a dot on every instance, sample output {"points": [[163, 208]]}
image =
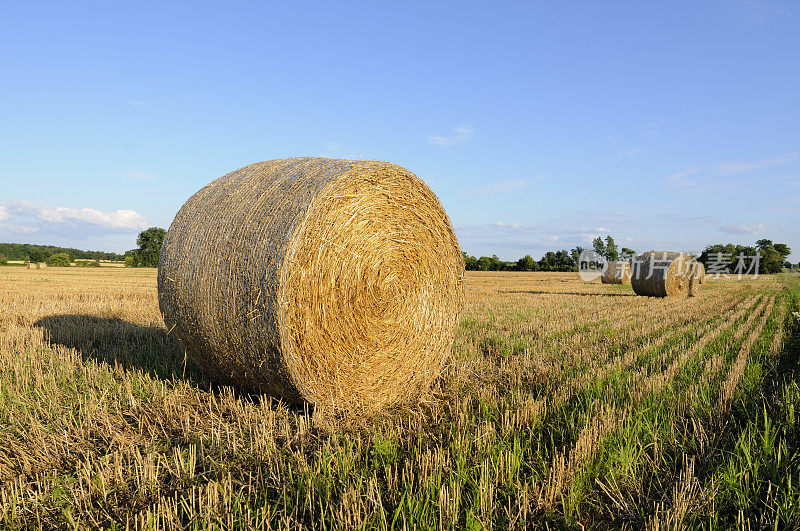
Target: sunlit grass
{"points": [[563, 402]]}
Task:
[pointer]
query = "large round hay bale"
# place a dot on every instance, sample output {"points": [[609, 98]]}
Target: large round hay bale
{"points": [[334, 282], [663, 274], [616, 272]]}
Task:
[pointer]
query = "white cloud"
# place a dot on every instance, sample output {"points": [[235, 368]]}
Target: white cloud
{"points": [[710, 175], [504, 187], [139, 175], [745, 229], [461, 134], [714, 175], [728, 168], [138, 103], [27, 217]]}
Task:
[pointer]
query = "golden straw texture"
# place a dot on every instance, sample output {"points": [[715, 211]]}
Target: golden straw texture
{"points": [[617, 272], [664, 274], [335, 282]]}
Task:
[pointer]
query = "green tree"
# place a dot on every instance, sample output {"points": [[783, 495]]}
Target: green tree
{"points": [[130, 261], [37, 256], [149, 242], [611, 253], [526, 263], [575, 253], [599, 246], [629, 254], [470, 262], [3, 259], [58, 260], [557, 261]]}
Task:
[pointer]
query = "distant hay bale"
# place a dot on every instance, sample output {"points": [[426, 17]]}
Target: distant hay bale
{"points": [[617, 272], [332, 282], [41, 265], [700, 272], [32, 265], [663, 274]]}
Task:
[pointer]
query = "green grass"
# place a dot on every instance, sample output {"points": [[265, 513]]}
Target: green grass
{"points": [[88, 438]]}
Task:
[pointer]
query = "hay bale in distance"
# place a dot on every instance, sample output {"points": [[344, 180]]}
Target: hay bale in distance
{"points": [[332, 282], [617, 272], [663, 274], [41, 265], [701, 272]]}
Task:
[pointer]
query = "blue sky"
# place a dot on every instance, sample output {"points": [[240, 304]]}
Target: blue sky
{"points": [[538, 125]]}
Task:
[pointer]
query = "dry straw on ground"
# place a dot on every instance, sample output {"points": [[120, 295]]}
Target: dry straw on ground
{"points": [[617, 272], [664, 274], [334, 282]]}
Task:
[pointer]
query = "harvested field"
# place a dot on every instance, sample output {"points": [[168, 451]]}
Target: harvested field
{"points": [[563, 402]]}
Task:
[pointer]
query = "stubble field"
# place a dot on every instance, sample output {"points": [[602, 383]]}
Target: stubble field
{"points": [[563, 404]]}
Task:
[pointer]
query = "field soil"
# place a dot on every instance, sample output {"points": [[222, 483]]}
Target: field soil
{"points": [[563, 404]]}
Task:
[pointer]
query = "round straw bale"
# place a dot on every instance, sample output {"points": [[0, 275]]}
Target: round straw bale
{"points": [[701, 273], [663, 274], [332, 282], [617, 272]]}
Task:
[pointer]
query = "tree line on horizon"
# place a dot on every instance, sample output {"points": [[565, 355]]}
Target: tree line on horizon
{"points": [[723, 257], [146, 255]]}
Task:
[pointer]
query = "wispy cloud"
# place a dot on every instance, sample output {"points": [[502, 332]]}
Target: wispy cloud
{"points": [[630, 153], [750, 13], [139, 175], [338, 150], [138, 103], [462, 133], [745, 229], [26, 217], [714, 175], [505, 187]]}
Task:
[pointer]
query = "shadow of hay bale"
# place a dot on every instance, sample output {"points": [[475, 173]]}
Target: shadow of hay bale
{"points": [[114, 341]]}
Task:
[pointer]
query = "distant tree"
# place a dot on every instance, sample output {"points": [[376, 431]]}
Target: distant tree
{"points": [[557, 261], [629, 254], [611, 253], [149, 242], [37, 256], [485, 263], [129, 261], [599, 246], [727, 258], [58, 260], [575, 253], [3, 259], [527, 263], [470, 262]]}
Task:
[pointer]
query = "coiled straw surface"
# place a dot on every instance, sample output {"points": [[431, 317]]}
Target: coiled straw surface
{"points": [[664, 274], [617, 272], [334, 282]]}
